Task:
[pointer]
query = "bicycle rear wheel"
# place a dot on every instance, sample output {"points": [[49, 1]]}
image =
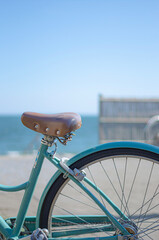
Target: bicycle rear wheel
{"points": [[128, 176]]}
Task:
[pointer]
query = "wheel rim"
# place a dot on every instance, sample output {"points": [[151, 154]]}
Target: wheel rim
{"points": [[131, 182]]}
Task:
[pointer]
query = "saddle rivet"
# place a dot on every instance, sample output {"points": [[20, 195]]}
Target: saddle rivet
{"points": [[36, 126], [58, 132], [47, 129]]}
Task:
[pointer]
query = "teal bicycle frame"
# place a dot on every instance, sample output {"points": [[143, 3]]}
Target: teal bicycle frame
{"points": [[13, 233]]}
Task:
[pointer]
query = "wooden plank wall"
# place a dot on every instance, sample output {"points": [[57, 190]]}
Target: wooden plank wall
{"points": [[125, 119]]}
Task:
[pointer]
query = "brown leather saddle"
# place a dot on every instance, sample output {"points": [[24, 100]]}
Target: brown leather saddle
{"points": [[57, 125]]}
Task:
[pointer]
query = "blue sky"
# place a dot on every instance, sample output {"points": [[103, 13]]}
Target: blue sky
{"points": [[59, 55]]}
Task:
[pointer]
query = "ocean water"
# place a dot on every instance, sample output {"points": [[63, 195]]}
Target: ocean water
{"points": [[15, 138]]}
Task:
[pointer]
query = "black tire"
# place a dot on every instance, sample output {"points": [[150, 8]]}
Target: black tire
{"points": [[134, 189]]}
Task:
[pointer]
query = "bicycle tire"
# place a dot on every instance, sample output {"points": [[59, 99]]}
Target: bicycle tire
{"points": [[128, 189]]}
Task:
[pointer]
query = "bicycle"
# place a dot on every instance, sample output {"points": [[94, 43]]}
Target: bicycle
{"points": [[107, 192]]}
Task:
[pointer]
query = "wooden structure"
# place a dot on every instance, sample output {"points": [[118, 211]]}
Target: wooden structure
{"points": [[127, 119]]}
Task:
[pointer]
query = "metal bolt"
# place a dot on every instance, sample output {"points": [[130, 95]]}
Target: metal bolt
{"points": [[47, 129], [36, 126], [58, 132], [46, 231]]}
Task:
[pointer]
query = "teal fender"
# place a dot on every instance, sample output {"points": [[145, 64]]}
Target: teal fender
{"points": [[112, 145]]}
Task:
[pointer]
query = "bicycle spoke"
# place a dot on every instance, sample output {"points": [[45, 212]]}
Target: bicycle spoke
{"points": [[146, 189], [81, 219], [133, 183], [80, 192], [148, 226], [123, 195], [145, 205], [124, 181], [145, 234], [96, 186], [149, 211], [76, 200], [106, 174], [150, 203], [148, 229]]}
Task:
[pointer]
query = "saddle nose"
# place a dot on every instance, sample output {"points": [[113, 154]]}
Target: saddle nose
{"points": [[56, 125]]}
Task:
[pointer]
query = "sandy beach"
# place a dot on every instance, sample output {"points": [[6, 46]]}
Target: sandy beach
{"points": [[15, 170]]}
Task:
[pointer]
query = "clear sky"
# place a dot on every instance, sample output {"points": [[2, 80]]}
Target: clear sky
{"points": [[59, 55]]}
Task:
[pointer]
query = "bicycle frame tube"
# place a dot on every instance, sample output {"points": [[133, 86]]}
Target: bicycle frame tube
{"points": [[29, 189], [98, 238], [14, 188]]}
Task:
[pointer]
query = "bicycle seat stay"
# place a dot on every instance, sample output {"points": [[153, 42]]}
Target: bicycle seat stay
{"points": [[56, 125]]}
